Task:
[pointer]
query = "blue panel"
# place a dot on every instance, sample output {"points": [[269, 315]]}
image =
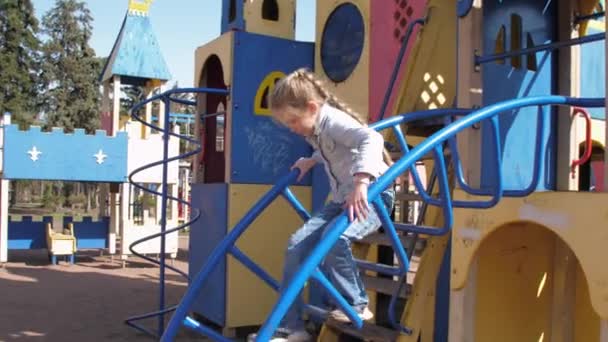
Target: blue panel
{"points": [[27, 234], [205, 234], [525, 23], [232, 15], [263, 151], [342, 42], [90, 234], [593, 72], [137, 52], [464, 7], [33, 154]]}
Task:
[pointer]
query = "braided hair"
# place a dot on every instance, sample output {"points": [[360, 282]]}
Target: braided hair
{"points": [[301, 86]]}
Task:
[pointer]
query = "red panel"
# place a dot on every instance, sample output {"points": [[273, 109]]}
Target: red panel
{"points": [[214, 160], [389, 23], [106, 122], [598, 175]]}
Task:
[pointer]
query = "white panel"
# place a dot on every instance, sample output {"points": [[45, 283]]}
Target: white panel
{"points": [[146, 151]]}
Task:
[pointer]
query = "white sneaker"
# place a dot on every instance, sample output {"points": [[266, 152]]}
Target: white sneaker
{"points": [[296, 336], [340, 316], [299, 336]]}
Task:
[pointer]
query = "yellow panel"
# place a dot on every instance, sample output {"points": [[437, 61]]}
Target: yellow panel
{"points": [[249, 300], [266, 86], [597, 25], [586, 321], [576, 217], [222, 47], [514, 285], [585, 7], [140, 6], [355, 89], [284, 27], [420, 308], [430, 76]]}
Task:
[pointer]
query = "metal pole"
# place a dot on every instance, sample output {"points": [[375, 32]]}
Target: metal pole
{"points": [[551, 46], [393, 79], [589, 16], [163, 213]]}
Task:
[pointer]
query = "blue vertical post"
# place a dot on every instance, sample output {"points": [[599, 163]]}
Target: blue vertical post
{"points": [[163, 213]]}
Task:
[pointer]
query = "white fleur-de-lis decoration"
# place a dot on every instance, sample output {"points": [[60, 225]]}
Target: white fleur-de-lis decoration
{"points": [[100, 156], [34, 153]]}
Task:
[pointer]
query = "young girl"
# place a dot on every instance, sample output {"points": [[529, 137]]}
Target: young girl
{"points": [[353, 156]]}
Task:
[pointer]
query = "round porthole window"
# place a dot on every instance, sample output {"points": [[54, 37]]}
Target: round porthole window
{"points": [[342, 42]]}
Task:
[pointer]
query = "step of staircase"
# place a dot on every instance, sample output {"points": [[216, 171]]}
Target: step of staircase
{"points": [[381, 239], [387, 286], [407, 196], [369, 332]]}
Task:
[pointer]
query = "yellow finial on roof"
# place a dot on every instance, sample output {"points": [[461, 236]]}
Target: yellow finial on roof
{"points": [[140, 7]]}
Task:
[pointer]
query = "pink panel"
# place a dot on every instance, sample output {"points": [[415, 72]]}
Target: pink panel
{"points": [[389, 23], [106, 122]]}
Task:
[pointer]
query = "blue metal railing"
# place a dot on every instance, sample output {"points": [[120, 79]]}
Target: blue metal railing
{"points": [[166, 99], [308, 269], [543, 47]]}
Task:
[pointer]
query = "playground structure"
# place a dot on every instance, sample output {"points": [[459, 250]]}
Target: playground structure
{"points": [[508, 238], [513, 238]]}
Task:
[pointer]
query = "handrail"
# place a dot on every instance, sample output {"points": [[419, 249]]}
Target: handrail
{"points": [[543, 47], [397, 67], [588, 139]]}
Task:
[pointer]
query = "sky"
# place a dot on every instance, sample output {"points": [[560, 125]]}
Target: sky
{"points": [[179, 29]]}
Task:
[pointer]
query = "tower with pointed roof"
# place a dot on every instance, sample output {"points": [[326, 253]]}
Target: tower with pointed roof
{"points": [[136, 59]]}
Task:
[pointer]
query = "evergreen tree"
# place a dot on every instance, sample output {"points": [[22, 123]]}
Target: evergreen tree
{"points": [[71, 70], [132, 96], [18, 60]]}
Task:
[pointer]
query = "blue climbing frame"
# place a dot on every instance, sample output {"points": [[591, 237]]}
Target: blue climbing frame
{"points": [[435, 144]]}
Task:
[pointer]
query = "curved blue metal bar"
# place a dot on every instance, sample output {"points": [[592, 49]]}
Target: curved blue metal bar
{"points": [[408, 118], [497, 192]]}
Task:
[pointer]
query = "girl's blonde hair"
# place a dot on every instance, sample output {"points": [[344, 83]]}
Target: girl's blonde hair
{"points": [[300, 87]]}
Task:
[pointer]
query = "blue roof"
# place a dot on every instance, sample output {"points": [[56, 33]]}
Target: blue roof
{"points": [[136, 52]]}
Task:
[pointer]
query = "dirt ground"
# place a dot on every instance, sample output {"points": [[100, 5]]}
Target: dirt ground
{"points": [[87, 301]]}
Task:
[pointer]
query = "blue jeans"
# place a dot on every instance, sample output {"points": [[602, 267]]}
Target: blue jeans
{"points": [[339, 265]]}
